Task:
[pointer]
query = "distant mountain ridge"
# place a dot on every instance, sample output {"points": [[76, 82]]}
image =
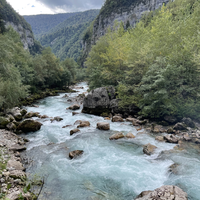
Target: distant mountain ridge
{"points": [[41, 24], [65, 38]]}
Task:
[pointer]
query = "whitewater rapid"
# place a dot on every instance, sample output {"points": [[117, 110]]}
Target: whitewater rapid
{"points": [[113, 170]]}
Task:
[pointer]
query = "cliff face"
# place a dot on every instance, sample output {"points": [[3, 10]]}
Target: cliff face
{"points": [[26, 35], [129, 12], [19, 24]]}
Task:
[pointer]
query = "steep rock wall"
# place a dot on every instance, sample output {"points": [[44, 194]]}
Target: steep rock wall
{"points": [[25, 34], [132, 14]]}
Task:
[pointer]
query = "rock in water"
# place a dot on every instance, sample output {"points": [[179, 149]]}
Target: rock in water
{"points": [[130, 135], [102, 101], [149, 149], [32, 114], [29, 126], [117, 119], [74, 107], [75, 113], [83, 124], [160, 138], [116, 136], [58, 119], [75, 154], [98, 100], [167, 192], [103, 126], [72, 132]]}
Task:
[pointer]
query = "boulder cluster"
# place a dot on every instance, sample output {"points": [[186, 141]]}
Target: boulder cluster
{"points": [[18, 120]]}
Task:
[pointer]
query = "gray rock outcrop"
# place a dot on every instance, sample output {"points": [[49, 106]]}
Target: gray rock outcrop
{"points": [[29, 126], [26, 35], [102, 101], [167, 192], [127, 14], [103, 126]]}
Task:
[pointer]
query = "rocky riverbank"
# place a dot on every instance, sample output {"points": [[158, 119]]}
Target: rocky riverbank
{"points": [[176, 133], [103, 102], [13, 179]]}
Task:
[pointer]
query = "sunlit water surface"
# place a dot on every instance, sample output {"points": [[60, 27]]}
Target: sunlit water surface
{"points": [[112, 170]]}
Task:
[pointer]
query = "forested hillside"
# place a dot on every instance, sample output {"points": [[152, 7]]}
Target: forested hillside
{"points": [[65, 39], [41, 24], [155, 65], [11, 18]]}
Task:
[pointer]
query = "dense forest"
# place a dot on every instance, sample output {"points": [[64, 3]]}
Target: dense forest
{"points": [[155, 65], [9, 14], [22, 74], [41, 24], [65, 39]]}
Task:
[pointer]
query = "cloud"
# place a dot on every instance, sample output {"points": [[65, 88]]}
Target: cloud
{"points": [[32, 6], [72, 5]]}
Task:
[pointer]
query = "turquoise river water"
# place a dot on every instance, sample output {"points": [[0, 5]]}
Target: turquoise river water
{"points": [[108, 170]]}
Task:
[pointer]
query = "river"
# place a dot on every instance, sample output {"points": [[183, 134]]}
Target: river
{"points": [[108, 170]]}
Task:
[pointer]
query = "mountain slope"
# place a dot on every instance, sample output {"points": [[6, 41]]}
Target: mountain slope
{"points": [[126, 11], [65, 39], [41, 24], [19, 24]]}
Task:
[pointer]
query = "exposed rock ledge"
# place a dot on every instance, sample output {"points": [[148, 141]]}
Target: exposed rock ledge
{"points": [[102, 101], [167, 192]]}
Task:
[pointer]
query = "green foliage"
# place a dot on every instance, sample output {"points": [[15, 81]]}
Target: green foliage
{"points": [[21, 73], [65, 39], [12, 56], [2, 25], [9, 14], [156, 64]]}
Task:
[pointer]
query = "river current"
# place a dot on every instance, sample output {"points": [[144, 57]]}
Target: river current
{"points": [[108, 170]]}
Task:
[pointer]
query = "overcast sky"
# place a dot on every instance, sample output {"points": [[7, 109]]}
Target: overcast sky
{"points": [[33, 7]]}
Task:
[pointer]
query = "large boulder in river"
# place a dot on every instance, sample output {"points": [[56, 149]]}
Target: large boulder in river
{"points": [[29, 126], [98, 100], [167, 192], [149, 149], [74, 107], [103, 126], [102, 101], [117, 119]]}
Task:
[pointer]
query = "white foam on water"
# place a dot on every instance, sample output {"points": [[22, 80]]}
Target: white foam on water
{"points": [[107, 169]]}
